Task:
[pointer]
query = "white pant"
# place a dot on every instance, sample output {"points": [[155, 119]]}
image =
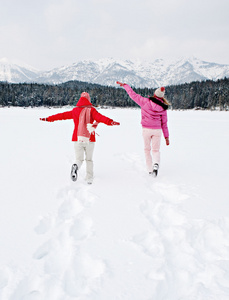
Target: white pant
{"points": [[86, 148], [151, 137]]}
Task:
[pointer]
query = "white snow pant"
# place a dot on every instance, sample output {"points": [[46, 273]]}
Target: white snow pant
{"points": [[86, 148], [151, 137]]}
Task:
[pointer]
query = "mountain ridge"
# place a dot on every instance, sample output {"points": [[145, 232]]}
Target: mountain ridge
{"points": [[106, 71]]}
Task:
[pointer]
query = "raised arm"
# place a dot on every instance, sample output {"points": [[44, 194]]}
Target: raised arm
{"points": [[134, 96]]}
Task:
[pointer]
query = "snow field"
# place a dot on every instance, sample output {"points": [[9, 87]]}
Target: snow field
{"points": [[128, 236]]}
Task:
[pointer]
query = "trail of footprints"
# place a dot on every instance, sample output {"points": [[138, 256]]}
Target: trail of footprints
{"points": [[63, 270], [189, 256]]}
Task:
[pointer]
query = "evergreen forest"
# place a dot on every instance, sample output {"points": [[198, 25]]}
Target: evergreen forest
{"points": [[210, 95]]}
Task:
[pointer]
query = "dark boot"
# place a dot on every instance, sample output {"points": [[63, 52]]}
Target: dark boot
{"points": [[155, 170], [74, 172]]}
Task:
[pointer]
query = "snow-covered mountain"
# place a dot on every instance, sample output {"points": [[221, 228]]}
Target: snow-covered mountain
{"points": [[108, 71], [16, 73]]}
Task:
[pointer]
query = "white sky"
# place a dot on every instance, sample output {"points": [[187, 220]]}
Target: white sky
{"points": [[52, 33]]}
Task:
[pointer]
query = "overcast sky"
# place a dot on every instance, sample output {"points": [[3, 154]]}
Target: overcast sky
{"points": [[52, 33]]}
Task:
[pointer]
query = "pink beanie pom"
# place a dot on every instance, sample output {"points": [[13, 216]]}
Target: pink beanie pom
{"points": [[86, 95], [160, 92]]}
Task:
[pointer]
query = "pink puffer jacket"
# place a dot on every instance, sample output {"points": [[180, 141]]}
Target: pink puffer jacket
{"points": [[153, 115]]}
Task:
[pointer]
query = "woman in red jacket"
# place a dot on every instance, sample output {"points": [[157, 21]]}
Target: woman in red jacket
{"points": [[86, 119]]}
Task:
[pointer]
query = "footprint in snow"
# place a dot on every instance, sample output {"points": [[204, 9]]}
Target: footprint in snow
{"points": [[82, 229], [83, 276], [46, 223]]}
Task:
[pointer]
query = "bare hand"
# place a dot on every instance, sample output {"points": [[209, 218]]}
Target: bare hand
{"points": [[167, 141]]}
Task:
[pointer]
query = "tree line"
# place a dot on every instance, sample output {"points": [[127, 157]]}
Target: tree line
{"points": [[207, 94]]}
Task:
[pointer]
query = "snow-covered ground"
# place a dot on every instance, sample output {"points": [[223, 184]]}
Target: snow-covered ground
{"points": [[128, 236]]}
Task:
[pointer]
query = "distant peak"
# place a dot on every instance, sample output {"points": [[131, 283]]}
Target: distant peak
{"points": [[4, 60]]}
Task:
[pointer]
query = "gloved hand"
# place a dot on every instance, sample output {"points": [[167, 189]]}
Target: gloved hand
{"points": [[120, 83], [46, 119], [114, 123], [91, 128]]}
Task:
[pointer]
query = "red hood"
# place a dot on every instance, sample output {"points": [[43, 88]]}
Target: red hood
{"points": [[83, 102]]}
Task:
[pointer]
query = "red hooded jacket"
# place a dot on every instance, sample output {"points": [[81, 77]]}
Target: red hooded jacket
{"points": [[75, 113]]}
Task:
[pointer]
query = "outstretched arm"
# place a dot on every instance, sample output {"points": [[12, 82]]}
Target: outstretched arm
{"points": [[103, 119], [61, 116]]}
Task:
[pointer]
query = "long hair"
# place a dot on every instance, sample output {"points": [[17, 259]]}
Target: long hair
{"points": [[166, 101]]}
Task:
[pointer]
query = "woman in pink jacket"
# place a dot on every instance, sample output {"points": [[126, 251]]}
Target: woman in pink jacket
{"points": [[154, 122]]}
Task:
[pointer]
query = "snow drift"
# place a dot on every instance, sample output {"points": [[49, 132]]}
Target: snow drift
{"points": [[128, 236]]}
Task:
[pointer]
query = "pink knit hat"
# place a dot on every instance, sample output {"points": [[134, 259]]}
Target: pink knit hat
{"points": [[86, 95], [160, 92]]}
